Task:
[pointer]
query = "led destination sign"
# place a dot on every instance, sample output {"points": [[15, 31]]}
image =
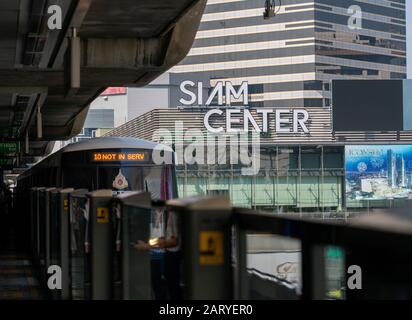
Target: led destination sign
{"points": [[118, 156]]}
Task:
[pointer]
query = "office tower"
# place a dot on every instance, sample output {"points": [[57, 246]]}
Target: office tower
{"points": [[391, 164], [403, 173], [290, 59]]}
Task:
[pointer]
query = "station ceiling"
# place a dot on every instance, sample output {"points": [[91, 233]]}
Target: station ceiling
{"points": [[118, 43]]}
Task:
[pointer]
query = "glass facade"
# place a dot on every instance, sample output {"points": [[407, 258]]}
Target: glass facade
{"points": [[292, 179]]}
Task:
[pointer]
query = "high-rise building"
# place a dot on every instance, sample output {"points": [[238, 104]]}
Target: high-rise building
{"points": [[289, 59], [391, 158], [403, 173]]}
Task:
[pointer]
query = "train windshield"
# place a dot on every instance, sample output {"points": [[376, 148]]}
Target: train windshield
{"points": [[158, 180], [120, 170]]}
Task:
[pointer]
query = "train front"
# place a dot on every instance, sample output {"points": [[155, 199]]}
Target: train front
{"points": [[120, 164]]}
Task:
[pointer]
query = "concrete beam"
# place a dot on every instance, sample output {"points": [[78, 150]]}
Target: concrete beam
{"points": [[73, 64], [123, 53], [75, 20], [185, 29], [53, 133], [90, 77], [120, 43], [35, 102]]}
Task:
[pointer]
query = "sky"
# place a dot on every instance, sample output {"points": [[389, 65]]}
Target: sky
{"points": [[409, 34]]}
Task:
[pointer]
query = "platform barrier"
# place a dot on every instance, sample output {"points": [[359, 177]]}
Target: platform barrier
{"points": [[376, 245], [100, 243], [205, 241], [130, 247], [135, 212], [60, 238], [268, 256], [79, 246], [34, 217], [38, 212]]}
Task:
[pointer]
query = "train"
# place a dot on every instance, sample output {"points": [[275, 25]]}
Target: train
{"points": [[115, 165]]}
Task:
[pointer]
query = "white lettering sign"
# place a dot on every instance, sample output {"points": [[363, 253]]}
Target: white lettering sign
{"points": [[224, 92], [238, 120], [242, 119]]}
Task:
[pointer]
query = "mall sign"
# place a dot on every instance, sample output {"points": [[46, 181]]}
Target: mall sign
{"points": [[240, 119]]}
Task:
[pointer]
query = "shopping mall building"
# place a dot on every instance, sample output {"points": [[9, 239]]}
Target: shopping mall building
{"points": [[311, 169], [288, 63]]}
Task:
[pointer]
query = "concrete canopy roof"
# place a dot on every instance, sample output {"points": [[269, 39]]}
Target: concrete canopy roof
{"points": [[115, 43]]}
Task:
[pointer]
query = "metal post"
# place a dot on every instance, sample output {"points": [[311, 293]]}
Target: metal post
{"points": [[277, 180], [79, 253], [34, 208], [318, 273], [299, 187], [37, 224], [39, 123], [54, 233], [241, 282], [322, 182], [41, 229], [65, 242], [313, 271], [101, 244], [75, 49], [206, 244], [135, 210], [47, 207], [27, 143]]}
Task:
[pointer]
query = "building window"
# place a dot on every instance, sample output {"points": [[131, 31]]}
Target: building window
{"points": [[224, 192], [314, 103], [312, 85]]}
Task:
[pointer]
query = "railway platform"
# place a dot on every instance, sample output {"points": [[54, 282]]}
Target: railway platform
{"points": [[18, 278]]}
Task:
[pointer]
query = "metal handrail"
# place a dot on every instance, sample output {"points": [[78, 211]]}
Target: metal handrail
{"points": [[333, 232]]}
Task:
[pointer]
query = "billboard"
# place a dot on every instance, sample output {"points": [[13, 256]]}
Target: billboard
{"points": [[372, 105], [378, 172], [114, 91]]}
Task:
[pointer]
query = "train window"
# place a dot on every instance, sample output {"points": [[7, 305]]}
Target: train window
{"points": [[159, 182], [156, 180], [120, 178], [80, 178]]}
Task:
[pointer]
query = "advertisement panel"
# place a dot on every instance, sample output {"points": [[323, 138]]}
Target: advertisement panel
{"points": [[114, 91], [378, 172], [372, 105]]}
